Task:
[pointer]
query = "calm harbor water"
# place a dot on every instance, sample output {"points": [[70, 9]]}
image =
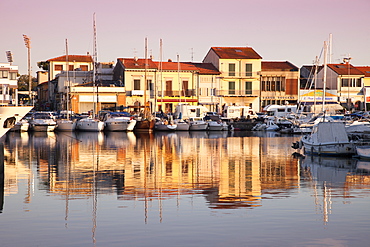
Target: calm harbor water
{"points": [[178, 189]]}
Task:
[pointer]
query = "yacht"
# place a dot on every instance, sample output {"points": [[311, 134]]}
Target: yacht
{"points": [[119, 121], [90, 124], [42, 121]]}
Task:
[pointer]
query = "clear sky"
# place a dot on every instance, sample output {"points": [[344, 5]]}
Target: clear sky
{"points": [[279, 30]]}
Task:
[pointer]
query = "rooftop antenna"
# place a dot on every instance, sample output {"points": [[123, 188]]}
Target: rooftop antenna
{"points": [[330, 47], [192, 54]]}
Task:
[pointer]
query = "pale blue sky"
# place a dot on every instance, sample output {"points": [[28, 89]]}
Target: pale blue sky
{"points": [[279, 30]]}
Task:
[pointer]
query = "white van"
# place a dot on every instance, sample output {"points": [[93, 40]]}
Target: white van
{"points": [[234, 111], [185, 111], [280, 111]]}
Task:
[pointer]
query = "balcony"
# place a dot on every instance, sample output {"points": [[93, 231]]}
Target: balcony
{"points": [[238, 93], [177, 93]]}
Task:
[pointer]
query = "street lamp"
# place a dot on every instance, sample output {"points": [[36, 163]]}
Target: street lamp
{"points": [[27, 42]]}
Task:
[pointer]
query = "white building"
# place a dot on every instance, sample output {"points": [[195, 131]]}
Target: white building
{"points": [[8, 84]]}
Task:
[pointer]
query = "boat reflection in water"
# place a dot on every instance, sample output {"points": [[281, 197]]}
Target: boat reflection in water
{"points": [[334, 177], [125, 179]]}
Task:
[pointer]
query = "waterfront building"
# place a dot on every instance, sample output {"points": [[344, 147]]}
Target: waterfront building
{"points": [[8, 84], [279, 83], [239, 80], [346, 79]]}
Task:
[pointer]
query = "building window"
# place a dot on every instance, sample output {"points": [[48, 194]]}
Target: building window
{"points": [[248, 69], [71, 67], [231, 87], [248, 87], [136, 84], [13, 76], [58, 67], [168, 91], [273, 84], [351, 82], [84, 67], [231, 69], [4, 74]]}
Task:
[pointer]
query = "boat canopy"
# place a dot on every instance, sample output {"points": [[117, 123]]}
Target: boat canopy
{"points": [[329, 132]]}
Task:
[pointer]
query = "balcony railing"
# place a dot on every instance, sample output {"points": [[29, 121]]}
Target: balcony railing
{"points": [[234, 92], [177, 93]]}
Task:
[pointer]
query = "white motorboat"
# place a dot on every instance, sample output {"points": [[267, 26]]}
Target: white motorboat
{"points": [[66, 125], [164, 125], [90, 124], [217, 125], [181, 125], [363, 151], [119, 121], [9, 115], [328, 138], [197, 123], [42, 122], [22, 126]]}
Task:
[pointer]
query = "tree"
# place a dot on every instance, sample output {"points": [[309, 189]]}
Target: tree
{"points": [[43, 65], [23, 83]]}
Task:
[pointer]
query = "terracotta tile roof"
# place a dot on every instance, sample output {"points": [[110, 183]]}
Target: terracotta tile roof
{"points": [[365, 70], [282, 66], [236, 53], [175, 66], [132, 63], [206, 68], [342, 69], [71, 58]]}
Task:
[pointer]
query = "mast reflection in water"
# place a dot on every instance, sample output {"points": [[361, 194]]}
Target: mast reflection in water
{"points": [[178, 189]]}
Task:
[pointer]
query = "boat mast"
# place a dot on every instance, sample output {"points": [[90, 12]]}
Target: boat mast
{"points": [[160, 70], [68, 84], [94, 68], [324, 80], [145, 74]]}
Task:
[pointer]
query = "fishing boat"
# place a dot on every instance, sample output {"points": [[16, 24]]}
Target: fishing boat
{"points": [[9, 115], [328, 138]]}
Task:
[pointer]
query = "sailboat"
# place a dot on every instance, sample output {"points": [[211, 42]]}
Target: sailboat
{"points": [[146, 121], [66, 124], [161, 123], [92, 123]]}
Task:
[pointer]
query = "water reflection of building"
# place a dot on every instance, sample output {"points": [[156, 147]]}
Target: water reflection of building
{"points": [[230, 172]]}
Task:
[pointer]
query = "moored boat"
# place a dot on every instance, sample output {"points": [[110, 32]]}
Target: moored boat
{"points": [[197, 123], [119, 121], [42, 122], [9, 115], [328, 138], [90, 124]]}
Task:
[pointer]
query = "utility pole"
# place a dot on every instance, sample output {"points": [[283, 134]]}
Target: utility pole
{"points": [[27, 42]]}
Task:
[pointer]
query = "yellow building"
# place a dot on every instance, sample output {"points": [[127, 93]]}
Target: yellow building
{"points": [[239, 81], [167, 83]]}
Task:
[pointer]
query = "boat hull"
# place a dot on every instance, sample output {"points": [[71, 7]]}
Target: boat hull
{"points": [[363, 151], [332, 149], [43, 127], [198, 126], [116, 125], [10, 113], [66, 125], [90, 125]]}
